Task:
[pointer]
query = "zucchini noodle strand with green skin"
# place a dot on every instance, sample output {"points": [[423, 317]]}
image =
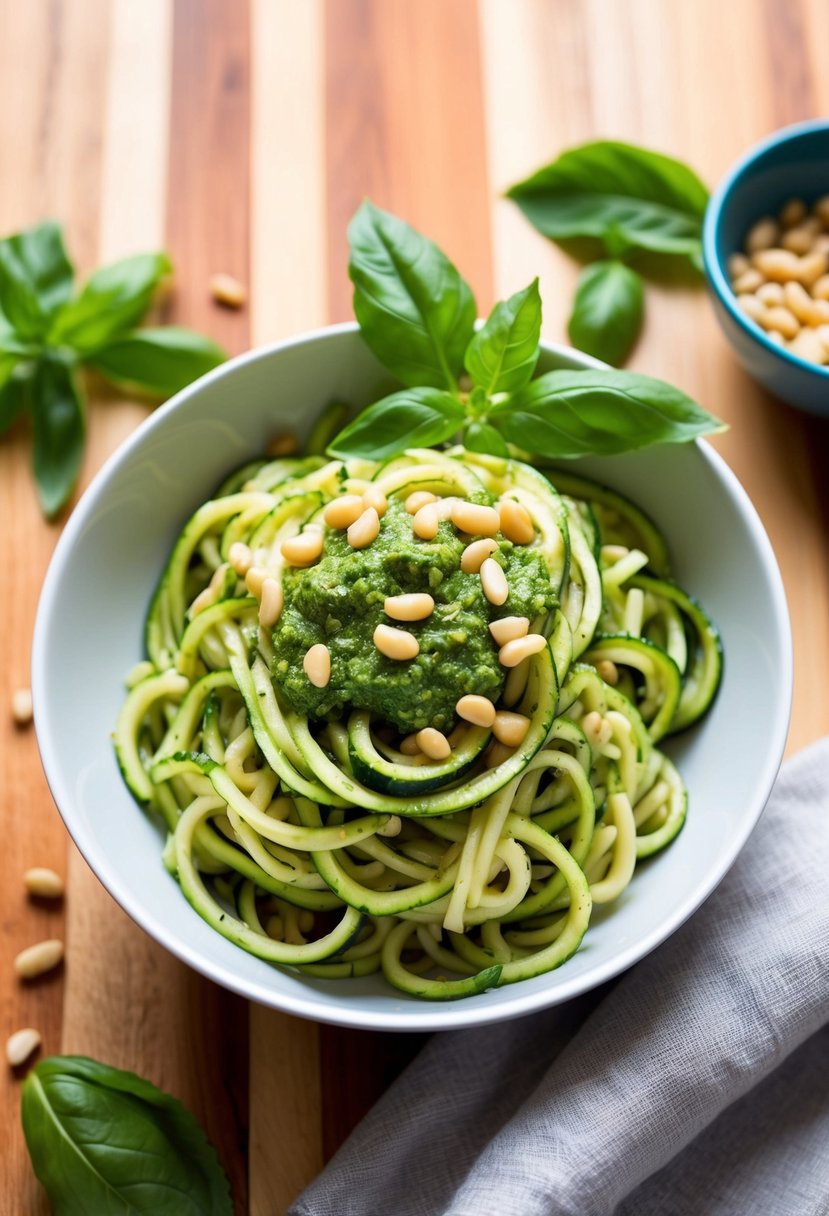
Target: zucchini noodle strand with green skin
{"points": [[443, 799]]}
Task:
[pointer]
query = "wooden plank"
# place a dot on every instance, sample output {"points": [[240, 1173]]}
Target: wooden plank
{"points": [[404, 126], [288, 254], [288, 295], [51, 101]]}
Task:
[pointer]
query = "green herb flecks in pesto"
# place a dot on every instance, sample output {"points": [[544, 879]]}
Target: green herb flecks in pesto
{"points": [[339, 602]]}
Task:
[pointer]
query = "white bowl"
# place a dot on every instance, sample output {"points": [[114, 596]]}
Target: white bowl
{"points": [[89, 633]]}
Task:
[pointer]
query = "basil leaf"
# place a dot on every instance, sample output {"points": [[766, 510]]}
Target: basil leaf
{"points": [[159, 361], [59, 433], [15, 390], [415, 311], [41, 257], [645, 199], [19, 302], [113, 299], [502, 354], [481, 437], [412, 418], [608, 309], [565, 414], [106, 1141]]}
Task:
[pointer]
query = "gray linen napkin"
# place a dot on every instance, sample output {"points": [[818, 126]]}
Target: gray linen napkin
{"points": [[697, 1084]]}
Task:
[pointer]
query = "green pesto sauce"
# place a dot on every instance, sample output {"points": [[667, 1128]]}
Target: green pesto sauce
{"points": [[339, 602]]}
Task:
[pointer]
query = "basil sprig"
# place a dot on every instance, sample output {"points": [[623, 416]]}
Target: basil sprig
{"points": [[106, 1141], [417, 315], [631, 200], [48, 331]]}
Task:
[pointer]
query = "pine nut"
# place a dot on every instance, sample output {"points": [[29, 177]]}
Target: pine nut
{"points": [[306, 920], [21, 1044], [38, 959], [812, 267], [736, 265], [396, 643], [374, 497], [254, 579], [807, 345], [509, 628], [478, 710], [270, 605], [342, 512], [822, 332], [775, 337], [494, 582], [44, 883], [516, 522], [821, 210], [752, 307], [762, 235], [275, 928], [497, 753], [393, 827], [418, 499], [410, 746], [364, 530], [22, 708], [777, 264], [474, 519], [770, 293], [820, 289], [608, 671], [514, 652], [426, 520], [797, 299], [303, 549], [821, 243], [241, 558], [591, 724], [433, 744], [780, 319], [317, 665], [227, 290], [750, 281], [792, 212], [509, 728], [415, 606], [474, 555], [798, 240]]}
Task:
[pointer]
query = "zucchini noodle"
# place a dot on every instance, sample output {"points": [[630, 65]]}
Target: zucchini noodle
{"points": [[334, 843]]}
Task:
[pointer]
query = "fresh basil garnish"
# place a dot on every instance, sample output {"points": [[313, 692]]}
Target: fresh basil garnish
{"points": [[413, 418], [106, 1141], [608, 308], [59, 432], [565, 414], [502, 355], [47, 332], [498, 408], [634, 202], [113, 299], [645, 199], [415, 311], [159, 361]]}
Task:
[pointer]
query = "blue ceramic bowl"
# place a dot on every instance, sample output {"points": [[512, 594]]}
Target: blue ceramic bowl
{"points": [[792, 163]]}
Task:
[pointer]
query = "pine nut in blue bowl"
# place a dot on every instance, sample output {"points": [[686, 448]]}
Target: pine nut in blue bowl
{"points": [[766, 255]]}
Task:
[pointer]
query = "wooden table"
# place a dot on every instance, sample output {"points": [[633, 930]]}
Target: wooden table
{"points": [[242, 136]]}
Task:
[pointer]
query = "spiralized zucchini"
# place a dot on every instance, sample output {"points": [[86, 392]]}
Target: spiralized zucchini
{"points": [[324, 845]]}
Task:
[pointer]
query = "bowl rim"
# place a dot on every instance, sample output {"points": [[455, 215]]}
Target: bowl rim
{"points": [[715, 271], [424, 1017]]}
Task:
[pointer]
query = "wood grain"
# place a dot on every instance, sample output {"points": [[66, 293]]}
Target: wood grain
{"points": [[243, 137]]}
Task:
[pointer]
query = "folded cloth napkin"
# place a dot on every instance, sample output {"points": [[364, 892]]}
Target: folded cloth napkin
{"points": [[697, 1085]]}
